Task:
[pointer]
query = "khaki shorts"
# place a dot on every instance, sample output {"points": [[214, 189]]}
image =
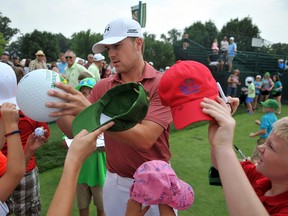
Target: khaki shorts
{"points": [[84, 194]]}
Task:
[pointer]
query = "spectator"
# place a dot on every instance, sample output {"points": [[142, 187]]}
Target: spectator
{"points": [[15, 169], [185, 44], [73, 69], [263, 188], [39, 62], [266, 124], [277, 91], [224, 44], [148, 140], [96, 66], [15, 61], [54, 67], [258, 84], [5, 58], [89, 61], [232, 49], [213, 59], [233, 82], [267, 86], [62, 64], [251, 95], [215, 44], [82, 146], [157, 183]]}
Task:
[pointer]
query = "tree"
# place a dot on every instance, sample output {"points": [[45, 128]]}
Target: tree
{"points": [[46, 41], [159, 52], [5, 30], [82, 42], [174, 35], [203, 34], [243, 31], [63, 42], [2, 43]]}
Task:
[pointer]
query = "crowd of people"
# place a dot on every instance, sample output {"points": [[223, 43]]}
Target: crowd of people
{"points": [[138, 159], [67, 64]]}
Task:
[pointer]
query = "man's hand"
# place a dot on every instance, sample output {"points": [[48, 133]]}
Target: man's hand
{"points": [[75, 101]]}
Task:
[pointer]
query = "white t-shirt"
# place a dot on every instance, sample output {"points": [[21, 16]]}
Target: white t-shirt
{"points": [[3, 209]]}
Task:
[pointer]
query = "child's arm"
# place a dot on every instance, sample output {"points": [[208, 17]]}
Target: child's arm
{"points": [[15, 168], [134, 208], [32, 144], [166, 210], [258, 133], [82, 146]]}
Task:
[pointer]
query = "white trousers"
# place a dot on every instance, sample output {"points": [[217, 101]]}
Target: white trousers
{"points": [[116, 193]]}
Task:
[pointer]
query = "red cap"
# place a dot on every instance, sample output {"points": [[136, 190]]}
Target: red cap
{"points": [[183, 87]]}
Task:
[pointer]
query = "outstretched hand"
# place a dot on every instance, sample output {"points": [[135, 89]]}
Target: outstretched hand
{"points": [[84, 143], [221, 131], [75, 100]]}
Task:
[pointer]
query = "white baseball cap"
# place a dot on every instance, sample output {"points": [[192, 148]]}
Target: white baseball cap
{"points": [[8, 83], [98, 57], [116, 31], [232, 38]]}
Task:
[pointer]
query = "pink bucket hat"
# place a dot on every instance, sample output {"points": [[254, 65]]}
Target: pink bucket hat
{"points": [[157, 183]]}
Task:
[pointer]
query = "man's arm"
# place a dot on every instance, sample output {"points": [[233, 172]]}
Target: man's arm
{"points": [[142, 136]]}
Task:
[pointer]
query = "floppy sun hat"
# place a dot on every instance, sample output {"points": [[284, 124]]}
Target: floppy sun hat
{"points": [[116, 31], [183, 87], [125, 105], [155, 182]]}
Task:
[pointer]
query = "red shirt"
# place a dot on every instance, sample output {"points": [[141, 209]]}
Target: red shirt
{"points": [[3, 162], [121, 158], [27, 126], [275, 205]]}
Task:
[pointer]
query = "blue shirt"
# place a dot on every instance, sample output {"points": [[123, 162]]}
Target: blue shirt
{"points": [[231, 49], [61, 67], [267, 122]]}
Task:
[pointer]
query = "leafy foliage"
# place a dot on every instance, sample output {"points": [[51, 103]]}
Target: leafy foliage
{"points": [[5, 30], [46, 41], [82, 42]]}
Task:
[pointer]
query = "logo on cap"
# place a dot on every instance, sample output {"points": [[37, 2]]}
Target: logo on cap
{"points": [[107, 29], [131, 31], [189, 87]]}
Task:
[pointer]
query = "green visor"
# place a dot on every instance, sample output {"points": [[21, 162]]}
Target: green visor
{"points": [[125, 105]]}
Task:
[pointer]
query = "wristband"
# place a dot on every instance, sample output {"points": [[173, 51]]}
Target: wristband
{"points": [[11, 133]]}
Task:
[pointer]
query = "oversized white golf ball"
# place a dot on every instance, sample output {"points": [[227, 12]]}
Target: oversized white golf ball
{"points": [[32, 94], [39, 131]]}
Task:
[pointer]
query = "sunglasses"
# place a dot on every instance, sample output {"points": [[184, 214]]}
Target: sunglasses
{"points": [[68, 57], [40, 55], [87, 82]]}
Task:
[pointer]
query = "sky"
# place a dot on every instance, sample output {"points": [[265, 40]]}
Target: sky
{"points": [[72, 16]]}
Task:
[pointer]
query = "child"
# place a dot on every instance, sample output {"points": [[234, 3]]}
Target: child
{"points": [[263, 188], [233, 82], [266, 124], [13, 169], [93, 171], [258, 84], [250, 96], [277, 91], [156, 183], [82, 146]]}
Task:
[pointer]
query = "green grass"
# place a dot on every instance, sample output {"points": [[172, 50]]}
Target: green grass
{"points": [[190, 160]]}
